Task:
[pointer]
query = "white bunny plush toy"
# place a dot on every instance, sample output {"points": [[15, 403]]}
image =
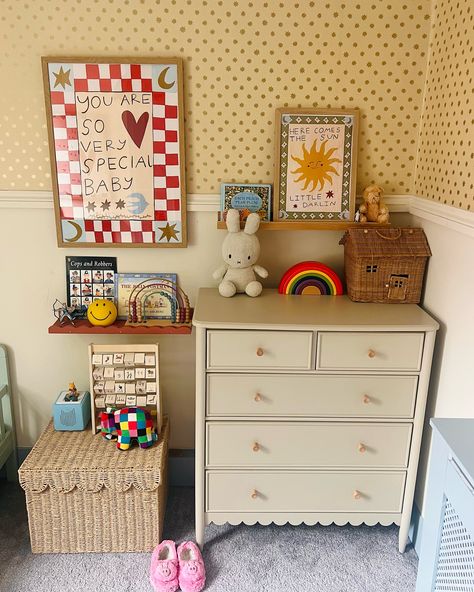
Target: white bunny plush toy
{"points": [[240, 251]]}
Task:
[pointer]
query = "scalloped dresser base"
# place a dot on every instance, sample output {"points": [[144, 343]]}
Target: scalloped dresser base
{"points": [[295, 519]]}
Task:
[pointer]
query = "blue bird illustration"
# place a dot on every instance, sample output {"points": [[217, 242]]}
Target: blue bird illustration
{"points": [[136, 203]]}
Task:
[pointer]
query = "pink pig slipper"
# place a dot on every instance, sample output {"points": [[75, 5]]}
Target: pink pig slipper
{"points": [[192, 574], [164, 567]]}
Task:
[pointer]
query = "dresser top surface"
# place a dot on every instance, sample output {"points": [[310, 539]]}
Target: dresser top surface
{"points": [[278, 311], [459, 436]]}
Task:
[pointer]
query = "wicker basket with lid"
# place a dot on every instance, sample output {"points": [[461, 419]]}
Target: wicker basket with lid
{"points": [[83, 495], [385, 265]]}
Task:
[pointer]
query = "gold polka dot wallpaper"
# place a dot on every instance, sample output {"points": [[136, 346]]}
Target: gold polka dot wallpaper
{"points": [[242, 60], [446, 154]]}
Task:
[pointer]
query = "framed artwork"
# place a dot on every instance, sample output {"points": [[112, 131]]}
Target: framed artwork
{"points": [[88, 279], [247, 198], [156, 306], [316, 163], [116, 140]]}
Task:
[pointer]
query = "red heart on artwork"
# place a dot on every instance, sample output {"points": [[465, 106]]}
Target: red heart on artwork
{"points": [[136, 129]]}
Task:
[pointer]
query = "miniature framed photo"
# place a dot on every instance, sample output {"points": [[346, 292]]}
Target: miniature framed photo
{"points": [[247, 198], [116, 136], [316, 163]]}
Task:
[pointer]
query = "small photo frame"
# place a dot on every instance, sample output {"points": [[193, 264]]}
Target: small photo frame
{"points": [[247, 198]]}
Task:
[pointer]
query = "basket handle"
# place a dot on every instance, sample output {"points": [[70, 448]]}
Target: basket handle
{"points": [[396, 237]]}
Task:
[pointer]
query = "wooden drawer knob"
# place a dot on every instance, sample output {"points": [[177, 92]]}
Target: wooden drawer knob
{"points": [[366, 399], [257, 398], [356, 494], [254, 494], [259, 352], [371, 353], [256, 447], [361, 448]]}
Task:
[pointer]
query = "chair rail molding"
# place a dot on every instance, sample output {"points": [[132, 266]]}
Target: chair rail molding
{"points": [[448, 216]]}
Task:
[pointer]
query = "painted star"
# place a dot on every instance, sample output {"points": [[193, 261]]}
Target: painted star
{"points": [[91, 206], [120, 204], [295, 205], [169, 232], [329, 193], [105, 205], [62, 78]]}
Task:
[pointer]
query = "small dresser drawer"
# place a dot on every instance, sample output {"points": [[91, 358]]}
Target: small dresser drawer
{"points": [[300, 395], [247, 491], [369, 351], [259, 349], [303, 444]]}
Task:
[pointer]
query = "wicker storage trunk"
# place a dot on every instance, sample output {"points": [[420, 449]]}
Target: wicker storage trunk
{"points": [[385, 265], [83, 495]]}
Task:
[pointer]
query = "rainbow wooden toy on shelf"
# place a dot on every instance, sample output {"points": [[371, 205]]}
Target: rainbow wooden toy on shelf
{"points": [[181, 311], [310, 278]]}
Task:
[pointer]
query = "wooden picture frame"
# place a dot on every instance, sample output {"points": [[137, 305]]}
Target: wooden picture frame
{"points": [[315, 165], [116, 137]]}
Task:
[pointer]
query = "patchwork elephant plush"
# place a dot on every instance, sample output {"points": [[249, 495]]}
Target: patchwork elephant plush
{"points": [[126, 425]]}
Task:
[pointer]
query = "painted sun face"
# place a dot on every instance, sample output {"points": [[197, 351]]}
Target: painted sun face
{"points": [[101, 313], [315, 166]]}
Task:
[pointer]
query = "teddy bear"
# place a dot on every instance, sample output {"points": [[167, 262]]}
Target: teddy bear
{"points": [[373, 209], [240, 251]]}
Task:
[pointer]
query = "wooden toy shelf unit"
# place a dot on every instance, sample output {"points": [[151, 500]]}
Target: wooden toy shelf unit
{"points": [[124, 376]]}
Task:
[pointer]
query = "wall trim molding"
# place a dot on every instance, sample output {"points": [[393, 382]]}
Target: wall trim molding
{"points": [[427, 209]]}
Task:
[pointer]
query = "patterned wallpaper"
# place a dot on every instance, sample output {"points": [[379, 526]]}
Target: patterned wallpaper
{"points": [[445, 169], [242, 60]]}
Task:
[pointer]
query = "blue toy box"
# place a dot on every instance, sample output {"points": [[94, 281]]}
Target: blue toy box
{"points": [[72, 416]]}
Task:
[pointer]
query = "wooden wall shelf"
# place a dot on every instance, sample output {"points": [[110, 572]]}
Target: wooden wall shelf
{"points": [[332, 225], [83, 327]]}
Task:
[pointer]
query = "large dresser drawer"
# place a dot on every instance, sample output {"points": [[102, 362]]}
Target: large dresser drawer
{"points": [[369, 351], [303, 444], [295, 395], [247, 491], [259, 349]]}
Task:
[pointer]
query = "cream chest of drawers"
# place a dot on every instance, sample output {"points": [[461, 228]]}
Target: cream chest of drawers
{"points": [[308, 409]]}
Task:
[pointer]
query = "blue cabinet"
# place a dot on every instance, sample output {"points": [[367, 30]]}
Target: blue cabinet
{"points": [[447, 545]]}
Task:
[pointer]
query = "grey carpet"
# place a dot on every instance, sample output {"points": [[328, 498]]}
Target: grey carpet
{"points": [[238, 558]]}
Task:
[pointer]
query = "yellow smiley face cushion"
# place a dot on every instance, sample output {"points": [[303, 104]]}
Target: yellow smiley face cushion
{"points": [[102, 312]]}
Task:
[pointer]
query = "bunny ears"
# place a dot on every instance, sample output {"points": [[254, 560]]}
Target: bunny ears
{"points": [[233, 222]]}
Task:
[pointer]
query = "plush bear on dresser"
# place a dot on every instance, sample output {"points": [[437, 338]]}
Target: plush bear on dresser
{"points": [[373, 209]]}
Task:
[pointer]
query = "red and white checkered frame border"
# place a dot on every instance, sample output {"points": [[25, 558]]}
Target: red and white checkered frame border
{"points": [[87, 77]]}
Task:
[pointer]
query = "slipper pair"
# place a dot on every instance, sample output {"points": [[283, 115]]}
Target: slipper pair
{"points": [[173, 568]]}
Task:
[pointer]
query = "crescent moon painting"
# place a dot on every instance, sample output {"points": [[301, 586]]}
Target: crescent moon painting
{"points": [[78, 230], [162, 79]]}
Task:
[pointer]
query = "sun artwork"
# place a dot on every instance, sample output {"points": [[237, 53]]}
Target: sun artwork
{"points": [[315, 166]]}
